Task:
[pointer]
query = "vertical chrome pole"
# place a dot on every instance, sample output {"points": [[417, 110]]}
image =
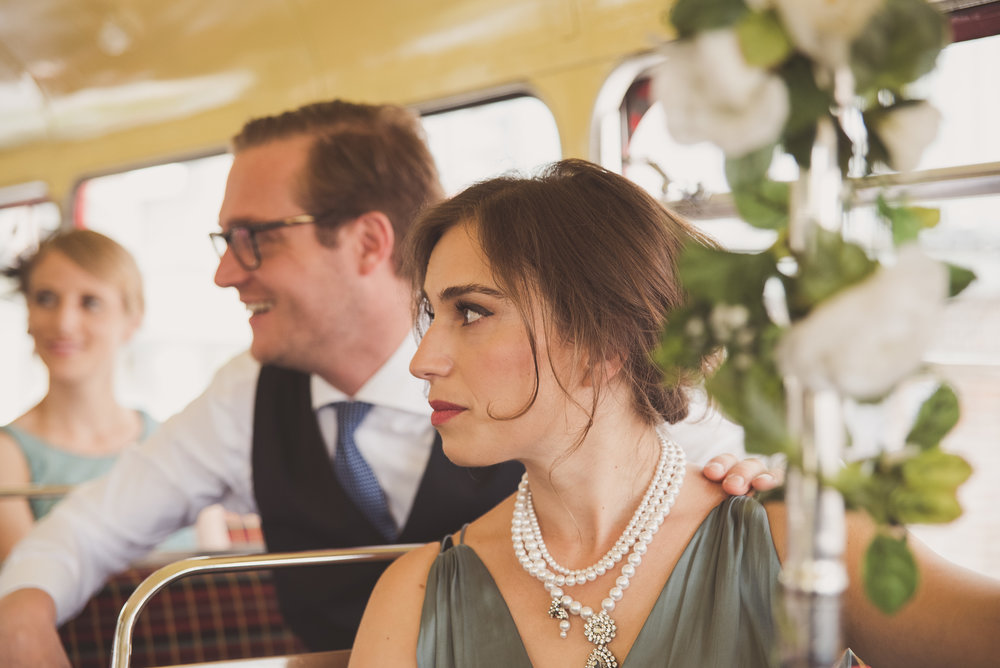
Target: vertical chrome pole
{"points": [[813, 576]]}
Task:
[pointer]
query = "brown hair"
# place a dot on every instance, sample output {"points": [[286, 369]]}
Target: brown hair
{"points": [[598, 253], [96, 254], [364, 158]]}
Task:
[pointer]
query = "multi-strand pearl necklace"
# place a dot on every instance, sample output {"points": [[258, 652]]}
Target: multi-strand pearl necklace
{"points": [[531, 552]]}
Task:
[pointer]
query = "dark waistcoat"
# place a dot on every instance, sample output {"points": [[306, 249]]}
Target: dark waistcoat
{"points": [[303, 507]]}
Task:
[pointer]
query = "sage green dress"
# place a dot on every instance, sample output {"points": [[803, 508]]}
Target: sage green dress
{"points": [[713, 612]]}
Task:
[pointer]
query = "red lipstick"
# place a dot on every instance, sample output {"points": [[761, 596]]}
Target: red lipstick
{"points": [[444, 411]]}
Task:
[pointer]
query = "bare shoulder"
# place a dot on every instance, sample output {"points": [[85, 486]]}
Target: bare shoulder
{"points": [[391, 623], [13, 465], [698, 496]]}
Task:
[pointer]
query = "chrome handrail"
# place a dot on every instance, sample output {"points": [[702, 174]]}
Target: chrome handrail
{"points": [[34, 491], [121, 650]]}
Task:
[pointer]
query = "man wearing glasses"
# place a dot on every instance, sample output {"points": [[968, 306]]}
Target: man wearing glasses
{"points": [[320, 428]]}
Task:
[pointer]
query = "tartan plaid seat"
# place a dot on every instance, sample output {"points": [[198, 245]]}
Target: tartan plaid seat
{"points": [[203, 617]]}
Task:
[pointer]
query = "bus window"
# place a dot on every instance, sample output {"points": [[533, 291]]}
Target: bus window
{"points": [[959, 174], [26, 216], [963, 88], [472, 143], [163, 215]]}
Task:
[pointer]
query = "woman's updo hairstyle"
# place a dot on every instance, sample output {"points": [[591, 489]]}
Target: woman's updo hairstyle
{"points": [[594, 249]]}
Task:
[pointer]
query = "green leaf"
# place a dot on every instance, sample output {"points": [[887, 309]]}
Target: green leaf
{"points": [[807, 102], [899, 45], [889, 573], [753, 398], [720, 277], [926, 506], [907, 221], [935, 470], [854, 482], [763, 39], [692, 16], [830, 266], [765, 206], [759, 200], [937, 415], [959, 279]]}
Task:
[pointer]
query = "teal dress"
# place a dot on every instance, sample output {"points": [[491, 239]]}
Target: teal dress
{"points": [[50, 465], [713, 612]]}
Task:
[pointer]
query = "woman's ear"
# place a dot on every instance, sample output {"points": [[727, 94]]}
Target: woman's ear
{"points": [[376, 240], [605, 371]]}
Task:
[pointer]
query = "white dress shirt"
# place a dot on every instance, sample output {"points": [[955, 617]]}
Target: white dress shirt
{"points": [[203, 455]]}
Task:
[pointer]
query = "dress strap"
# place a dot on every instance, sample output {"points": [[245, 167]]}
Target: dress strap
{"points": [[448, 542]]}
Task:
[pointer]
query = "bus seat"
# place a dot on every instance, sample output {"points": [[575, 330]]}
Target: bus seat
{"points": [[204, 617], [124, 647]]}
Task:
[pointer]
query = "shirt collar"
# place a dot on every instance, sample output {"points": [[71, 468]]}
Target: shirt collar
{"points": [[391, 386]]}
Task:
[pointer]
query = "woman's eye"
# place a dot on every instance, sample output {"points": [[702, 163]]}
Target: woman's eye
{"points": [[44, 298], [471, 312], [90, 302]]}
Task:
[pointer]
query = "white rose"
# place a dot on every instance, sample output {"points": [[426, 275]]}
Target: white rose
{"points": [[824, 29], [868, 337], [709, 93], [906, 131]]}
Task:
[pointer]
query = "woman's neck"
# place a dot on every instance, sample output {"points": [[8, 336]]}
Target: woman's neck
{"points": [[84, 418], [585, 500]]}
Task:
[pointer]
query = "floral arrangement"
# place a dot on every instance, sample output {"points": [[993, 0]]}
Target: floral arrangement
{"points": [[761, 78]]}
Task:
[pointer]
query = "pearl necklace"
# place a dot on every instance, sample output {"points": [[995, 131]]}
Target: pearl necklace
{"points": [[534, 557]]}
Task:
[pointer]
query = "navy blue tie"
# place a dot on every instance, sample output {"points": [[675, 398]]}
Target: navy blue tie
{"points": [[353, 472]]}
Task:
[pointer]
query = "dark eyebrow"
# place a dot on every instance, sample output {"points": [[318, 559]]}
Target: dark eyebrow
{"points": [[455, 291]]}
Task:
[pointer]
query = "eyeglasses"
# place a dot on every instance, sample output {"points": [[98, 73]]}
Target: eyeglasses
{"points": [[242, 239]]}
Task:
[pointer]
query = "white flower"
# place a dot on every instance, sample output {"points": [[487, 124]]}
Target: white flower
{"points": [[906, 131], [824, 29], [865, 339], [709, 93]]}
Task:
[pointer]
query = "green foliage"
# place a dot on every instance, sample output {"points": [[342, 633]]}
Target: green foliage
{"points": [[763, 39], [938, 414], [889, 573], [692, 16], [899, 45], [934, 470], [759, 200], [754, 397], [906, 221], [959, 279], [808, 103], [829, 266], [720, 277]]}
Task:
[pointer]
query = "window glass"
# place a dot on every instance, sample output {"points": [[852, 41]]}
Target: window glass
{"points": [[24, 379], [964, 89], [163, 215], [473, 143]]}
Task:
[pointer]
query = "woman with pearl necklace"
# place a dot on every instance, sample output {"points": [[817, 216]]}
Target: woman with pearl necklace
{"points": [[541, 301]]}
